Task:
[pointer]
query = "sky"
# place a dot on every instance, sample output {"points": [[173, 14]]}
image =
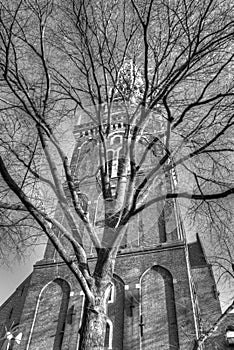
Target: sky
{"points": [[12, 276]]}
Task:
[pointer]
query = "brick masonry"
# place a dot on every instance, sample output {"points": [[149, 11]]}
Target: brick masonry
{"points": [[44, 305]]}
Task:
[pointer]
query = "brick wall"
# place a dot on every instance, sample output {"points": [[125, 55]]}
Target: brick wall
{"points": [[131, 266], [167, 311], [208, 301], [44, 306]]}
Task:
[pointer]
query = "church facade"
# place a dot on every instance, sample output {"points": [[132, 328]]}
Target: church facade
{"points": [[163, 294]]}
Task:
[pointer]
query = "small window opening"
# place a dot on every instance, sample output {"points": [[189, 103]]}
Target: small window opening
{"points": [[110, 162], [111, 294], [108, 335], [162, 227], [121, 163]]}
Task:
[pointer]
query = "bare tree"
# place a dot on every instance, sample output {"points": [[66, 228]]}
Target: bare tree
{"points": [[165, 66]]}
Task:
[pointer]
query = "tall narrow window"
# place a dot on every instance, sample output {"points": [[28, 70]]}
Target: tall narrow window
{"points": [[50, 315], [159, 323], [110, 161], [62, 314], [121, 162], [108, 335], [112, 294], [114, 155], [162, 227]]}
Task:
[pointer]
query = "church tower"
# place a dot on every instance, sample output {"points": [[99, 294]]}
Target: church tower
{"points": [[163, 292]]}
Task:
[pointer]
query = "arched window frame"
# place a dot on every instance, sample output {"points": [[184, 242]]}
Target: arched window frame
{"points": [[165, 273], [38, 305]]}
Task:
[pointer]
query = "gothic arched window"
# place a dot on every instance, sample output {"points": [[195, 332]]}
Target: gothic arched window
{"points": [[62, 313], [48, 325], [158, 311]]}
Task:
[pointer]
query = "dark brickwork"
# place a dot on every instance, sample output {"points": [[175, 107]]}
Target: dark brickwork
{"points": [[131, 267], [51, 307], [153, 304], [208, 302], [158, 310], [209, 309]]}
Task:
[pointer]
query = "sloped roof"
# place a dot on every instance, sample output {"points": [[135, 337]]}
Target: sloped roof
{"points": [[196, 253]]}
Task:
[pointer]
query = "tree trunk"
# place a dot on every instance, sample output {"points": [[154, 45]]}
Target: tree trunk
{"points": [[93, 329]]}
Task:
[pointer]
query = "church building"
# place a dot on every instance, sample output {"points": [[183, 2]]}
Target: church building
{"points": [[163, 294]]}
